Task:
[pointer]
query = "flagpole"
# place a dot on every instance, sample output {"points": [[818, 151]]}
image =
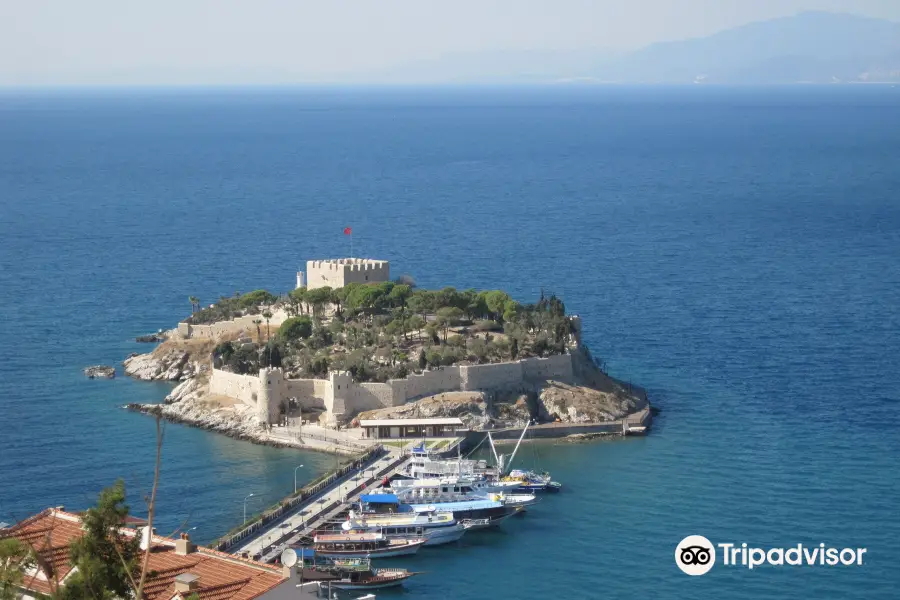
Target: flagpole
{"points": [[351, 243]]}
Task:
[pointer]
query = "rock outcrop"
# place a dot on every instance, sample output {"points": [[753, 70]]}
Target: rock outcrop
{"points": [[593, 397], [190, 403], [151, 338], [100, 372], [168, 362]]}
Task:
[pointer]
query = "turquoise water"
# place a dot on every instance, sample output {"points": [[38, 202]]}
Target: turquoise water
{"points": [[735, 251]]}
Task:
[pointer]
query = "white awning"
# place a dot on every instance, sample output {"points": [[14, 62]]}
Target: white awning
{"points": [[409, 422]]}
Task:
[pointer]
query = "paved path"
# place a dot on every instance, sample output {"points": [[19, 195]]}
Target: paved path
{"points": [[267, 546]]}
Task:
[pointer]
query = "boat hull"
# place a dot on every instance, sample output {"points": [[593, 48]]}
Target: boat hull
{"points": [[377, 582], [367, 586], [444, 535], [380, 553]]}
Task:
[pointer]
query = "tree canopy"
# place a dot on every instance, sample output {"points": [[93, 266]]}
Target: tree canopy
{"points": [[378, 331]]}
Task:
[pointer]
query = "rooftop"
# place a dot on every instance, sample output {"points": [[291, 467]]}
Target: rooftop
{"points": [[219, 576], [410, 422], [350, 261]]}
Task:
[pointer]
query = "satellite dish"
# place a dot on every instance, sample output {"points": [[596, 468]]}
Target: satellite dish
{"points": [[289, 557]]}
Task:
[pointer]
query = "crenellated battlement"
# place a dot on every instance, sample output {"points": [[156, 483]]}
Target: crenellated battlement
{"points": [[338, 272]]}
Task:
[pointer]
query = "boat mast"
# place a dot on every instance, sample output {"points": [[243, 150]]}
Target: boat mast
{"points": [[512, 458], [494, 450]]}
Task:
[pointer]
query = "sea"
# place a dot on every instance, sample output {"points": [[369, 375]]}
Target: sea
{"points": [[735, 251]]}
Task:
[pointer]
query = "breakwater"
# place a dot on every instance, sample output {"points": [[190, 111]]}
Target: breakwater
{"points": [[309, 493]]}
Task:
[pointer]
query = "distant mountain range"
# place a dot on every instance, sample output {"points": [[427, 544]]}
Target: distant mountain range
{"points": [[811, 47], [815, 47]]}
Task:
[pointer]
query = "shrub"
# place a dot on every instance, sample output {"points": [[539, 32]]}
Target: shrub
{"points": [[295, 328]]}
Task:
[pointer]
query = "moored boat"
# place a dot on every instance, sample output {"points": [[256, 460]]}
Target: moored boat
{"points": [[342, 573], [529, 481], [364, 545], [436, 529]]}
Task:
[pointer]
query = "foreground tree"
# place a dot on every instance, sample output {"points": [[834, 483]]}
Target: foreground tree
{"points": [[15, 559], [110, 564]]}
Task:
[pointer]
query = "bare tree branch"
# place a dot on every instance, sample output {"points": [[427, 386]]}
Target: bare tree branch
{"points": [[151, 509]]}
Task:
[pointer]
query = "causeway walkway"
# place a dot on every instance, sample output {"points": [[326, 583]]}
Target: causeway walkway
{"points": [[319, 510]]}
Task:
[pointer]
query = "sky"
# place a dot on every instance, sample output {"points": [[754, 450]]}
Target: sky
{"points": [[153, 42]]}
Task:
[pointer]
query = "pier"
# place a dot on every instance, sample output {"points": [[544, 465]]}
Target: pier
{"points": [[264, 540]]}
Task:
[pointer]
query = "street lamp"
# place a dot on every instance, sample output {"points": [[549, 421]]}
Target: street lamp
{"points": [[245, 506], [295, 477]]}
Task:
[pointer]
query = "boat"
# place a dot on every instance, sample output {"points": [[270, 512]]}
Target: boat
{"points": [[453, 484], [341, 573], [493, 510], [424, 464], [437, 529], [364, 545], [374, 505], [374, 579], [436, 490], [529, 481]]}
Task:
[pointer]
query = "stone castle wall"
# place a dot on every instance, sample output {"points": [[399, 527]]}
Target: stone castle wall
{"points": [[234, 326], [338, 272], [340, 396], [240, 387]]}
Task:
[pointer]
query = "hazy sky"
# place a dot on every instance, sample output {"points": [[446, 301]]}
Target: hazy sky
{"points": [[290, 41]]}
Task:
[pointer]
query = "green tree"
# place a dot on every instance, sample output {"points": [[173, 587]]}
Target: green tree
{"points": [[476, 307], [416, 323], [267, 315], [256, 298], [105, 558], [447, 317], [423, 360], [296, 299], [339, 299], [421, 302], [295, 328], [514, 348], [318, 298], [15, 558], [496, 302], [511, 310], [258, 322], [273, 353], [399, 294]]}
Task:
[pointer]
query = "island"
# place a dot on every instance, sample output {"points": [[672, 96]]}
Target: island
{"points": [[350, 345]]}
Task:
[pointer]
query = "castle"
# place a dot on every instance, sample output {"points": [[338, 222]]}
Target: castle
{"points": [[338, 272], [340, 396]]}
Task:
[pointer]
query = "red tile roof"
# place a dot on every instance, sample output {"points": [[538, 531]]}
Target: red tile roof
{"points": [[221, 576]]}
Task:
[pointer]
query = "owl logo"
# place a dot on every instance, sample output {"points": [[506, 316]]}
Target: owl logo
{"points": [[695, 555]]}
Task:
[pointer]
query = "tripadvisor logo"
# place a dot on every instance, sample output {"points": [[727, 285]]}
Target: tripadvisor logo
{"points": [[696, 555]]}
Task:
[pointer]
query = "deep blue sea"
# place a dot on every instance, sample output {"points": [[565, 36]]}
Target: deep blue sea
{"points": [[735, 251]]}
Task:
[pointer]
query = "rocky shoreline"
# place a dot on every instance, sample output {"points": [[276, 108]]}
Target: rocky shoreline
{"points": [[593, 397], [189, 403]]}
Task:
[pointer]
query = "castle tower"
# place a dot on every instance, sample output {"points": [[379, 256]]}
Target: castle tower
{"points": [[337, 400], [270, 395], [338, 272]]}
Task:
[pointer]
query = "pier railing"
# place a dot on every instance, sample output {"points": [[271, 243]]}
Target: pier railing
{"points": [[308, 492]]}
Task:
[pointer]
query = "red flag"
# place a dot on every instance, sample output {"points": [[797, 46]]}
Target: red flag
{"points": [[348, 231]]}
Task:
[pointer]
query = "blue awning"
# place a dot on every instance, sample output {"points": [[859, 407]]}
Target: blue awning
{"points": [[379, 499]]}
